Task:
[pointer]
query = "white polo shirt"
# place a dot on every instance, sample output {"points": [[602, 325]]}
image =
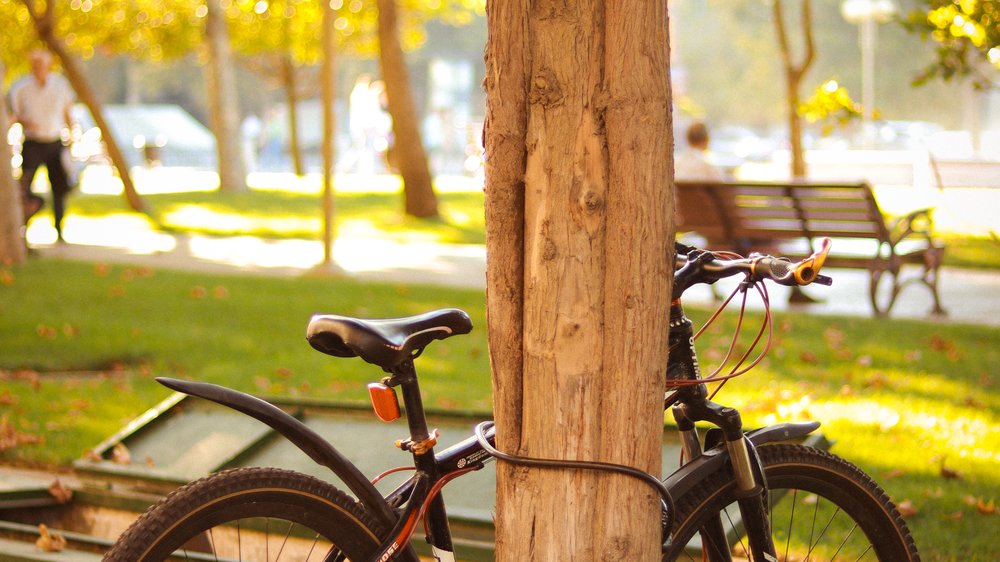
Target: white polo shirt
{"points": [[42, 109]]}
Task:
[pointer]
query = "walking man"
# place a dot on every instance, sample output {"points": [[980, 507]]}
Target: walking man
{"points": [[42, 103]]}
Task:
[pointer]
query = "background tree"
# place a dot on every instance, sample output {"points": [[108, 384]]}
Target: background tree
{"points": [[12, 247], [966, 36], [795, 71], [578, 222], [407, 148], [224, 106]]}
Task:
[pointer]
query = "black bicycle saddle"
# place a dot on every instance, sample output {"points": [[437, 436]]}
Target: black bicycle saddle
{"points": [[387, 342]]}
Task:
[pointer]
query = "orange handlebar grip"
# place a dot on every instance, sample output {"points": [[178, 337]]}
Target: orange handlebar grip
{"points": [[384, 401]]}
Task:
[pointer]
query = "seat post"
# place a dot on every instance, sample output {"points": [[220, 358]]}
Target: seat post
{"points": [[406, 375]]}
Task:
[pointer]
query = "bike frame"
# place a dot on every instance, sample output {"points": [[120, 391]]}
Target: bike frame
{"points": [[418, 497]]}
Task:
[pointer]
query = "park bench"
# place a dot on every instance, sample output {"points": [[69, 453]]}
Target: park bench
{"points": [[786, 218]]}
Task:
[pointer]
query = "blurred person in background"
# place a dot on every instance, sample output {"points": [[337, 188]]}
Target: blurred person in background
{"points": [[41, 102]]}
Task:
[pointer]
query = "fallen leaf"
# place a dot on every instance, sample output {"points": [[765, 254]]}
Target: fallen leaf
{"points": [[895, 473], [198, 292], [61, 493], [969, 500], [220, 292], [807, 357], [986, 508], [101, 269], [45, 331], [938, 343], [974, 402], [48, 541], [6, 277], [956, 516], [907, 509], [121, 455]]}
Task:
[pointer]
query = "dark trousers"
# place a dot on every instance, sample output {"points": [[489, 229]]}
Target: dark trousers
{"points": [[35, 154]]}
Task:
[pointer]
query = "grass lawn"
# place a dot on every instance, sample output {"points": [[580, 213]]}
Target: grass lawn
{"points": [[916, 404]]}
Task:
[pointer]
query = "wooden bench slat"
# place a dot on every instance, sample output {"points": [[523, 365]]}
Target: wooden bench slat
{"points": [[765, 216]]}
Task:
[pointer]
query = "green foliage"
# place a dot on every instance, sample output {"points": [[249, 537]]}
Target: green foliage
{"points": [[967, 38], [831, 105]]}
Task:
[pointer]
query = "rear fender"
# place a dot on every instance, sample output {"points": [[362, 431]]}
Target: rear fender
{"points": [[310, 442]]}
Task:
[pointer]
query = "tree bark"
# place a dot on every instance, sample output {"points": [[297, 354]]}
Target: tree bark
{"points": [[223, 102], [579, 228], [408, 148], [12, 244], [794, 73], [45, 27]]}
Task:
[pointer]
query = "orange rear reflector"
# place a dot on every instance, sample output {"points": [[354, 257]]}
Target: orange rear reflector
{"points": [[384, 401]]}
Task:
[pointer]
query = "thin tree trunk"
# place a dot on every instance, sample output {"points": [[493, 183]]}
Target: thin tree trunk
{"points": [[794, 73], [12, 244], [292, 100], [224, 108], [418, 191], [579, 223], [45, 27], [327, 77]]}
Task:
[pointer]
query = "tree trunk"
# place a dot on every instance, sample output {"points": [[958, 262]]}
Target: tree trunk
{"points": [[12, 245], [292, 100], [794, 72], [328, 78], [579, 228], [408, 148], [223, 102], [45, 27]]}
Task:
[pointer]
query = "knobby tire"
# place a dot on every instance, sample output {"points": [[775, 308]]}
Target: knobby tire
{"points": [[822, 508], [251, 514]]}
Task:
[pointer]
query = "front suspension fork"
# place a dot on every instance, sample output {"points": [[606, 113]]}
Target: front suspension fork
{"points": [[751, 487]]}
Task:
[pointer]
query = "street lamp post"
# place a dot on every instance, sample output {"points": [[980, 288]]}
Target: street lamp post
{"points": [[867, 14]]}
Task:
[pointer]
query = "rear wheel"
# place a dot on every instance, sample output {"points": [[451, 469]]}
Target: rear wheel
{"points": [[822, 508], [261, 514]]}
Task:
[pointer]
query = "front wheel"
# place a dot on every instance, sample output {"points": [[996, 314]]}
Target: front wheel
{"points": [[821, 508], [251, 514]]}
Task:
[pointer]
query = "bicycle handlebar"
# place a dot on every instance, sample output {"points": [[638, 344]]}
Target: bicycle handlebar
{"points": [[700, 266]]}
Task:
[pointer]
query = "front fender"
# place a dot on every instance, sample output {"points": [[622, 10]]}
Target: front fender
{"points": [[686, 477], [310, 442]]}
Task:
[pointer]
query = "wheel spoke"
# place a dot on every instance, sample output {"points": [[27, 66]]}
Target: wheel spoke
{"points": [[847, 538], [791, 519], [285, 541], [740, 535]]}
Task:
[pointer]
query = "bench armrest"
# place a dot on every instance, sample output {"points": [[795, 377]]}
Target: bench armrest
{"points": [[918, 223]]}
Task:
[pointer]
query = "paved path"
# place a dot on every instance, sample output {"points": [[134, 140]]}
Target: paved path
{"points": [[970, 296]]}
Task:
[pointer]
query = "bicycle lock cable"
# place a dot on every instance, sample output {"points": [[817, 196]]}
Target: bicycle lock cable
{"points": [[661, 489]]}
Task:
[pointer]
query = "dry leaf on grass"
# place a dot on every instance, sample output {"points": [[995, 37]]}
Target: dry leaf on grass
{"points": [[61, 493], [49, 541], [907, 509]]}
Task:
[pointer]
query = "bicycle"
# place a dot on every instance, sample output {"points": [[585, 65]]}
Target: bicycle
{"points": [[751, 492]]}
